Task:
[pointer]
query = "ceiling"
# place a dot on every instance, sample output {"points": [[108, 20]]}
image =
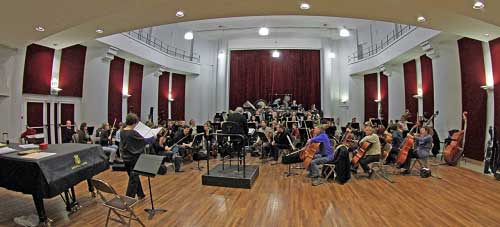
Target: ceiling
{"points": [[69, 22]]}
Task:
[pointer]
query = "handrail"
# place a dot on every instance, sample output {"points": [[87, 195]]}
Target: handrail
{"points": [[162, 47], [377, 48]]}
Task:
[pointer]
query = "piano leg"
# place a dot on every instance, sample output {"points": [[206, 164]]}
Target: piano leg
{"points": [[40, 208], [70, 200]]}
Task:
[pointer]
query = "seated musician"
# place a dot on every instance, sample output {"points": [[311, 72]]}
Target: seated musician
{"points": [[397, 140], [372, 154], [330, 129], [294, 103], [423, 144], [280, 142], [67, 132], [207, 138], [323, 155], [106, 142], [83, 135], [261, 144], [132, 146], [183, 140], [171, 153], [294, 132]]}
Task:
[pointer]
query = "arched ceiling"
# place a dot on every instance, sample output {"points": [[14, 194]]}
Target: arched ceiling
{"points": [[68, 22]]}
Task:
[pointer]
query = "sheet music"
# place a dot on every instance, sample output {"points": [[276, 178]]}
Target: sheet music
{"points": [[146, 131], [28, 146], [6, 150], [38, 155]]}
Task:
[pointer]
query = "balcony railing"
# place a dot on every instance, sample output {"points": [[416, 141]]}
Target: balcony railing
{"points": [[378, 47], [163, 47]]}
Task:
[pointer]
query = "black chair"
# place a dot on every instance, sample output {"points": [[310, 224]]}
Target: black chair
{"points": [[234, 143], [200, 151]]}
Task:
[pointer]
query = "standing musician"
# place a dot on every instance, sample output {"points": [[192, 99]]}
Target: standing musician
{"points": [[323, 155], [423, 143], [280, 142], [373, 152]]}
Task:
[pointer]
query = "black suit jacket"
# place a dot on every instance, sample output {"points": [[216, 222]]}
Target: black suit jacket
{"points": [[241, 120]]}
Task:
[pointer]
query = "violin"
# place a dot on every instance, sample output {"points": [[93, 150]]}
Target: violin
{"points": [[455, 149], [363, 147], [407, 145]]}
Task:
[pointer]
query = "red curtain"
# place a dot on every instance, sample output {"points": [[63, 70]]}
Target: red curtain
{"points": [[371, 107], [495, 59], [115, 89], [71, 70], [178, 94], [427, 84], [410, 76], [38, 69], [135, 88], [473, 97], [163, 96], [255, 74], [384, 96]]}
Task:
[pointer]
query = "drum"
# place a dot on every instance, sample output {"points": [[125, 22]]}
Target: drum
{"points": [[291, 158]]}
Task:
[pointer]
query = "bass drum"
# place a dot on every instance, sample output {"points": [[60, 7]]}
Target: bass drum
{"points": [[291, 158]]}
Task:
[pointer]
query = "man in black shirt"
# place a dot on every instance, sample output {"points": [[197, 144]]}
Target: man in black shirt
{"points": [[280, 142], [67, 133], [237, 116]]}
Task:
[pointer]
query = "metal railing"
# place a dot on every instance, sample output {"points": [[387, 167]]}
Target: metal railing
{"points": [[378, 47], [163, 47]]}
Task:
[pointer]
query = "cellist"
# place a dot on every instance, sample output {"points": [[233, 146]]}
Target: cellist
{"points": [[423, 142], [373, 152], [323, 155]]}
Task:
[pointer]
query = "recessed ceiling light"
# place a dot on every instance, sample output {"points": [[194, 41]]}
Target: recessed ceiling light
{"points": [[487, 34], [276, 54], [305, 6], [478, 4], [189, 35], [100, 31], [179, 13], [263, 31], [344, 32], [421, 19], [39, 29]]}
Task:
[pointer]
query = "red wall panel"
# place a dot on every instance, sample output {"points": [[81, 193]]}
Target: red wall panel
{"points": [[38, 69], [34, 113], [255, 74], [178, 94], [135, 88], [427, 84], [71, 70], [115, 89], [410, 76], [163, 85], [371, 107], [473, 97]]}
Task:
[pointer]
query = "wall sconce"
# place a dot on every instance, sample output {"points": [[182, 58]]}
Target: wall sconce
{"points": [[377, 100], [126, 96], [54, 87], [419, 94], [170, 98], [487, 87], [344, 99]]}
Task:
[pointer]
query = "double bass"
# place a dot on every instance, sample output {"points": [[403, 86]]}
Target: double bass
{"points": [[455, 149]]}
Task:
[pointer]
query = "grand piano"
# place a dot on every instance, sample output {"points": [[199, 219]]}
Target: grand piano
{"points": [[54, 175]]}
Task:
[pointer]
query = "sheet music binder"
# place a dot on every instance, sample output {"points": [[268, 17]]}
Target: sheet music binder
{"points": [[148, 164]]}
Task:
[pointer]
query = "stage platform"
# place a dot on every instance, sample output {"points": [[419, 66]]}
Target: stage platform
{"points": [[230, 177]]}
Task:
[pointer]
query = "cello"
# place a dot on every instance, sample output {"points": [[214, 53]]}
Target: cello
{"points": [[307, 154], [455, 149], [360, 153], [407, 145]]}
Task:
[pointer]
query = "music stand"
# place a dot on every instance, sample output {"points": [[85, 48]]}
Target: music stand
{"points": [[309, 124], [199, 129], [289, 124], [252, 125], [148, 165]]}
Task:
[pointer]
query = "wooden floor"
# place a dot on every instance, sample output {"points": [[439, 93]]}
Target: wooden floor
{"points": [[461, 198]]}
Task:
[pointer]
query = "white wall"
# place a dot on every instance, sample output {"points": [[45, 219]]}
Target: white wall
{"points": [[447, 88], [396, 92], [149, 98], [95, 84]]}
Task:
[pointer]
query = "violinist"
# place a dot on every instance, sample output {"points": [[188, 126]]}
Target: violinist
{"points": [[280, 142], [323, 155], [372, 153], [423, 143], [170, 153], [295, 132]]}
